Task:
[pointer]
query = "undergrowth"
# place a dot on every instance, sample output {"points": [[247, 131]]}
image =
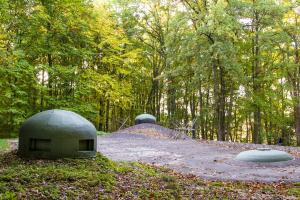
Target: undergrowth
{"points": [[3, 145], [101, 178]]}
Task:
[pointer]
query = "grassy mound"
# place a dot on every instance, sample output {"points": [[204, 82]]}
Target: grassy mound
{"points": [[101, 178]]}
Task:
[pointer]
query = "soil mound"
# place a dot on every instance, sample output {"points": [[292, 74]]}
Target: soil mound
{"points": [[154, 131]]}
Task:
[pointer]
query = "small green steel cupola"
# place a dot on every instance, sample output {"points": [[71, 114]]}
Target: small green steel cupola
{"points": [[56, 134], [263, 155], [145, 118]]}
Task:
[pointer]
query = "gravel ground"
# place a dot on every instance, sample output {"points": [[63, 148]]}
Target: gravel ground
{"points": [[154, 131], [154, 144]]}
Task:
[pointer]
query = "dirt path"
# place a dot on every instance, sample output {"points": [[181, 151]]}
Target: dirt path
{"points": [[211, 160]]}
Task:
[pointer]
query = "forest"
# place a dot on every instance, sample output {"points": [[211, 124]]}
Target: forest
{"points": [[230, 66]]}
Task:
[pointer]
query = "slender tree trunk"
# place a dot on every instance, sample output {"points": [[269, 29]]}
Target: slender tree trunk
{"points": [[256, 86], [297, 122], [186, 105], [221, 128], [50, 83], [296, 94], [229, 117], [171, 106], [207, 116], [216, 100], [155, 91], [158, 104], [42, 91], [247, 130], [100, 124], [193, 114], [234, 138], [107, 115], [201, 113], [268, 134]]}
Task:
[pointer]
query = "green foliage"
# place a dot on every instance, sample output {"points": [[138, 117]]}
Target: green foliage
{"points": [[102, 133], [3, 145], [233, 66], [62, 54], [294, 191]]}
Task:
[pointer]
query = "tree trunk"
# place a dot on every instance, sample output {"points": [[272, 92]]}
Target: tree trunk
{"points": [[297, 122], [193, 114], [42, 91], [229, 116], [257, 125], [171, 104], [201, 114], [107, 115], [206, 125], [256, 85], [247, 130], [100, 123], [216, 100], [296, 95], [221, 128]]}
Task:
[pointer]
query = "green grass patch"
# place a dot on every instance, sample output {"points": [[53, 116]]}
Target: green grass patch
{"points": [[102, 133], [101, 178], [44, 178], [294, 191], [4, 146], [297, 184]]}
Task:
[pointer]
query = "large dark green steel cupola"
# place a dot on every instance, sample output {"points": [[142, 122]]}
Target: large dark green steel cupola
{"points": [[56, 134]]}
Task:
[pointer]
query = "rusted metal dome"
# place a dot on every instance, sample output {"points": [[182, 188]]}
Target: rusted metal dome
{"points": [[57, 134]]}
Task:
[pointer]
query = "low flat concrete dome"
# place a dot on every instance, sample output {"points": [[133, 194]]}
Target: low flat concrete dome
{"points": [[145, 118], [56, 134], [263, 155]]}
